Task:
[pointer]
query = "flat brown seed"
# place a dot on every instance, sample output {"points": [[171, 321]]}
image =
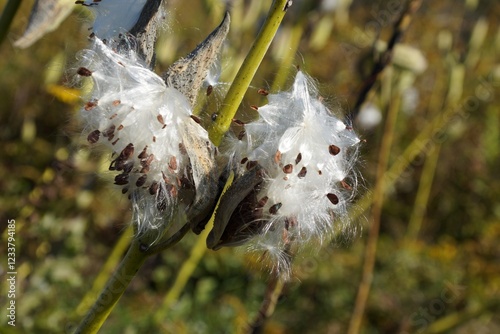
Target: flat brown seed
{"points": [[274, 209], [93, 137], [109, 132], [298, 158], [121, 179], [196, 119], [238, 122], [153, 188], [333, 149], [90, 105], [241, 135], [262, 202], [127, 152], [254, 107], [345, 185], [84, 72], [244, 160], [210, 88], [141, 180], [333, 198], [143, 154], [172, 164], [302, 172], [262, 91], [251, 164], [277, 157], [288, 169], [116, 102]]}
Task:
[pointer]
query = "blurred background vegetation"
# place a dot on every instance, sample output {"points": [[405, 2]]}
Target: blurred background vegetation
{"points": [[437, 266]]}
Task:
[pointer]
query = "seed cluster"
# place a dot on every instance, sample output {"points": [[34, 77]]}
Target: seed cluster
{"points": [[307, 155]]}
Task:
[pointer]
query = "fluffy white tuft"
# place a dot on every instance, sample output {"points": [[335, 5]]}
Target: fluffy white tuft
{"points": [[158, 149], [308, 156]]}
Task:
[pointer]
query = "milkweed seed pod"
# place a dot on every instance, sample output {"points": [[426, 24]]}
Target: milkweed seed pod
{"points": [[163, 158], [297, 159]]}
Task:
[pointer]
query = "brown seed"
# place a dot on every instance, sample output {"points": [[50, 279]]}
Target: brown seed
{"points": [[127, 152], [154, 139], [262, 202], [241, 135], [116, 102], [320, 172], [302, 173], [262, 91], [121, 179], [238, 122], [196, 119], [172, 190], [153, 188], [116, 141], [298, 158], [288, 169], [333, 149], [93, 137], [254, 107], [120, 127], [113, 116], [160, 119], [90, 105], [244, 160], [345, 185], [141, 180], [84, 72], [172, 164], [210, 88], [109, 132], [333, 198], [143, 154], [251, 164], [277, 157], [274, 209], [124, 190], [128, 166]]}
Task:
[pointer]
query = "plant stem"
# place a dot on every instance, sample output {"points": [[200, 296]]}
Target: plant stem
{"points": [[114, 289], [190, 264], [106, 270], [247, 71], [8, 14], [378, 200]]}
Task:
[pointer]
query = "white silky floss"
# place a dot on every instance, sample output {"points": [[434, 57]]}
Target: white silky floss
{"points": [[146, 124], [308, 155]]}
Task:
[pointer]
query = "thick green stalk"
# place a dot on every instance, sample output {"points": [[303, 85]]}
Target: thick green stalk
{"points": [[247, 71], [190, 264], [113, 290], [106, 270]]}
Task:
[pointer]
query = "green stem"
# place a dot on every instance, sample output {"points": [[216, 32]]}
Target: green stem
{"points": [[114, 289], [8, 14], [190, 264], [106, 270], [247, 71]]}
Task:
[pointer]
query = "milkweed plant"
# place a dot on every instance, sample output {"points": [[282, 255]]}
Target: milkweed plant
{"points": [[275, 185]]}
